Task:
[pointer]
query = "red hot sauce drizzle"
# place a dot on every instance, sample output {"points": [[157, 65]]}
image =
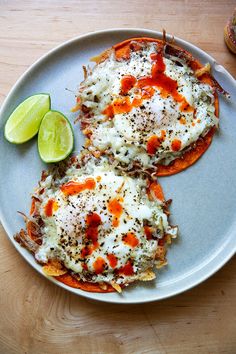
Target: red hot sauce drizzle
{"points": [[176, 145], [72, 187], [159, 79], [154, 142], [112, 259], [99, 265], [127, 83], [118, 106], [93, 221], [127, 269], [130, 239], [116, 209], [166, 85]]}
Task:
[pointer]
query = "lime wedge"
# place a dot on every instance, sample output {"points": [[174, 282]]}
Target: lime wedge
{"points": [[25, 120], [55, 138]]}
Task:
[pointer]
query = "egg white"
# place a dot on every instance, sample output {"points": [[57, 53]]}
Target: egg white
{"points": [[64, 231], [126, 135]]}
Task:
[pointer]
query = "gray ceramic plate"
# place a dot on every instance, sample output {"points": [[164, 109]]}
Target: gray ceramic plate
{"points": [[203, 196]]}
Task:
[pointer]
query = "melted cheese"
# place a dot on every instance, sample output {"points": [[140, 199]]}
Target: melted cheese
{"points": [[128, 130], [81, 231]]}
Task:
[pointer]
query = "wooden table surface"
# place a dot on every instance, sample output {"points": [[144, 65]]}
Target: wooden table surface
{"points": [[39, 317]]}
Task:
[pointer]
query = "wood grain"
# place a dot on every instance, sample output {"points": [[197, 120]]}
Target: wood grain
{"points": [[38, 317]]}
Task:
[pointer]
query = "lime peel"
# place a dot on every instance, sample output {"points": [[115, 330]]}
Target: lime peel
{"points": [[55, 138], [23, 124]]}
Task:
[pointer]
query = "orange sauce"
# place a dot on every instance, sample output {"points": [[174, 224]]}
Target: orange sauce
{"points": [[182, 121], [86, 251], [130, 239], [99, 265], [185, 106], [50, 207], [118, 106], [116, 209], [147, 92], [159, 79], [93, 221], [154, 142], [127, 269], [176, 145], [127, 83], [109, 111], [73, 187], [112, 260], [137, 102]]}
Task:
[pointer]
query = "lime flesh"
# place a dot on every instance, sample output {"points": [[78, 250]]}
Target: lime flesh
{"points": [[25, 120], [55, 138]]}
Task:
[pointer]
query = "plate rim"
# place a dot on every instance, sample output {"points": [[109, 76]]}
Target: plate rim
{"points": [[190, 283]]}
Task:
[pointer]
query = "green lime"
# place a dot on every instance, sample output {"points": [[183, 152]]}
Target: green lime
{"points": [[25, 120], [55, 138]]}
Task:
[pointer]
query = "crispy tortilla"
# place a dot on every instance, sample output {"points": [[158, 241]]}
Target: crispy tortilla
{"points": [[67, 279]]}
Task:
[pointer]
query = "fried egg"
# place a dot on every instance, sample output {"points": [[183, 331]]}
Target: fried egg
{"points": [[101, 224], [145, 108]]}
